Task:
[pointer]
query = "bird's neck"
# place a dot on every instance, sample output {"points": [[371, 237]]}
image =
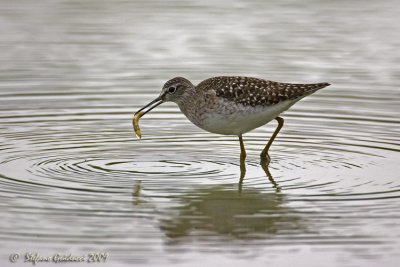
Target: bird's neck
{"points": [[187, 104], [186, 99]]}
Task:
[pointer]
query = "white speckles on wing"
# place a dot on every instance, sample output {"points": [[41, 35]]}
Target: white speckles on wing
{"points": [[254, 92]]}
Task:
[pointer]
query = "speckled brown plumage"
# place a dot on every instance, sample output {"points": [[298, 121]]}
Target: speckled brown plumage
{"points": [[256, 92]]}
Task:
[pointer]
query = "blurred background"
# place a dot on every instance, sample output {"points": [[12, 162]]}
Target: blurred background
{"points": [[74, 179]]}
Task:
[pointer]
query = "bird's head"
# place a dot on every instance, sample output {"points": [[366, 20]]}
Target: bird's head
{"points": [[174, 90]]}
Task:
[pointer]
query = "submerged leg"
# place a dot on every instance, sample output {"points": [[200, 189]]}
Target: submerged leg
{"points": [[242, 149], [242, 163], [264, 154], [275, 185]]}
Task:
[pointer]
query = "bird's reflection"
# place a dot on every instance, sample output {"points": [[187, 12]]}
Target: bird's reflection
{"points": [[136, 190], [222, 212], [264, 164]]}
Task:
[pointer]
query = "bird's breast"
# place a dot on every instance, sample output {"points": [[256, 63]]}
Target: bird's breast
{"points": [[221, 116]]}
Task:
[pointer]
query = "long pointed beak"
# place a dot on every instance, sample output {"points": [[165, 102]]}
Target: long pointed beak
{"points": [[152, 105], [139, 114]]}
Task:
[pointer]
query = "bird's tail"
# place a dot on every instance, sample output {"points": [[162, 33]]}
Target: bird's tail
{"points": [[294, 90]]}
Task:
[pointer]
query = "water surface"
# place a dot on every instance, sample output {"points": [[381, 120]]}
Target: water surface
{"points": [[74, 179]]}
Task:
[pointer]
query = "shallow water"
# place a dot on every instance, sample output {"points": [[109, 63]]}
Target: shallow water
{"points": [[74, 179]]}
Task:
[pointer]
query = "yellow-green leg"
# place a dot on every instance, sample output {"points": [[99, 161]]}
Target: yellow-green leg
{"points": [[242, 163], [242, 149], [264, 154], [264, 164]]}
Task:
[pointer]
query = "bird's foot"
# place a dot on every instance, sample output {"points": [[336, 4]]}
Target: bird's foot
{"points": [[265, 159]]}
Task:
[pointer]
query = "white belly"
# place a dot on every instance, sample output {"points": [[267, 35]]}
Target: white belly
{"points": [[244, 119]]}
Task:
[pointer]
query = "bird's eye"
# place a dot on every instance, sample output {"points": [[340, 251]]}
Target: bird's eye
{"points": [[171, 89]]}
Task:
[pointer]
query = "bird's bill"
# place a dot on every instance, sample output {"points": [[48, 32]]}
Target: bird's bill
{"points": [[140, 113], [150, 105]]}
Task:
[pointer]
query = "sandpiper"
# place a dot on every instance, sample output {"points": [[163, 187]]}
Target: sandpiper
{"points": [[233, 105]]}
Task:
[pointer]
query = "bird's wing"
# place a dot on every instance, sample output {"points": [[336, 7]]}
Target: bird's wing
{"points": [[253, 91]]}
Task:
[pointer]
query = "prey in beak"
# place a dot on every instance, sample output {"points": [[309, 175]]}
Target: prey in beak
{"points": [[138, 114]]}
